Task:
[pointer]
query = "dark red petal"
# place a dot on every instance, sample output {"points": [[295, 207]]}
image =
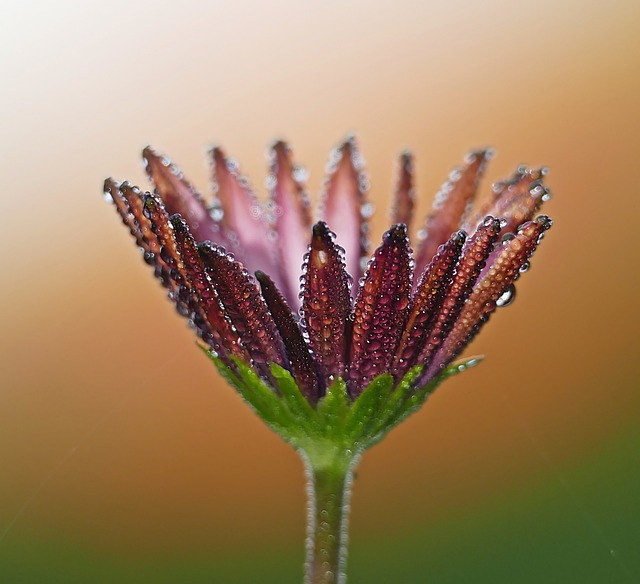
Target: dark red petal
{"points": [[302, 366], [451, 204], [245, 307], [326, 302], [425, 304], [132, 199], [517, 199], [292, 218], [177, 248], [381, 309], [473, 257], [497, 282], [404, 197], [179, 196], [242, 216], [344, 205]]}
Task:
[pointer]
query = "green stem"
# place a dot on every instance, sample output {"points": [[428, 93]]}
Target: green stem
{"points": [[328, 489]]}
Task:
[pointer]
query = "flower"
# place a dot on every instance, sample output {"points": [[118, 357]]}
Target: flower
{"points": [[378, 347]]}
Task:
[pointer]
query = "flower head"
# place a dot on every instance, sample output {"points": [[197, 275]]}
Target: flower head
{"points": [[344, 345]]}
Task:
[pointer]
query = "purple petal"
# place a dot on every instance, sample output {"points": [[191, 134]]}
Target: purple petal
{"points": [[326, 302], [425, 304], [344, 205], [499, 279], [292, 219], [180, 252], [404, 197], [380, 309], [473, 257], [302, 366], [245, 307], [451, 204]]}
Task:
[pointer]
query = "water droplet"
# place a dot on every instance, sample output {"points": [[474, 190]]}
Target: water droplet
{"points": [[507, 297], [366, 210], [217, 213]]}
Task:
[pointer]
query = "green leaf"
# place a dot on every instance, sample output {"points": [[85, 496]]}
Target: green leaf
{"points": [[332, 408], [366, 408], [298, 406]]}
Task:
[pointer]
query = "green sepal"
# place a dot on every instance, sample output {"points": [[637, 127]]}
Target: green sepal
{"points": [[348, 425], [414, 400], [366, 408], [297, 404], [332, 408]]}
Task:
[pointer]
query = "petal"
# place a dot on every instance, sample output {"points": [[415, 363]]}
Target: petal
{"points": [[245, 307], [128, 202], [473, 257], [179, 196], [404, 196], [344, 206], [425, 304], [451, 204], [302, 366], [179, 249], [292, 218], [326, 302], [517, 199], [489, 290], [380, 309], [243, 217]]}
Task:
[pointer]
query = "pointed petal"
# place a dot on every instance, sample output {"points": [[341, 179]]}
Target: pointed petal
{"points": [[128, 202], [451, 204], [473, 257], [381, 309], [243, 217], [302, 366], [292, 218], [489, 290], [344, 206], [326, 302], [180, 253], [425, 305], [245, 308], [404, 198], [517, 199], [179, 196]]}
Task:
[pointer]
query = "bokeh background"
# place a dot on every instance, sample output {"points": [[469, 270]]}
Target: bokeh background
{"points": [[123, 456]]}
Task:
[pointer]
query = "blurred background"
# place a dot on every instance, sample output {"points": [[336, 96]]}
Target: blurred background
{"points": [[125, 458]]}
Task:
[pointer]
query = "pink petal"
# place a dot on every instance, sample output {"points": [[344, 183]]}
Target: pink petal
{"points": [[451, 204], [380, 309], [344, 206], [292, 219], [179, 196], [517, 199], [243, 217]]}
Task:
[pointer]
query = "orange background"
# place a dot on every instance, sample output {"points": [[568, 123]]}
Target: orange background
{"points": [[123, 454]]}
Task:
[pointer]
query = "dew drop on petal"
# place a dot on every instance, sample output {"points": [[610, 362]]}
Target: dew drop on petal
{"points": [[507, 297]]}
